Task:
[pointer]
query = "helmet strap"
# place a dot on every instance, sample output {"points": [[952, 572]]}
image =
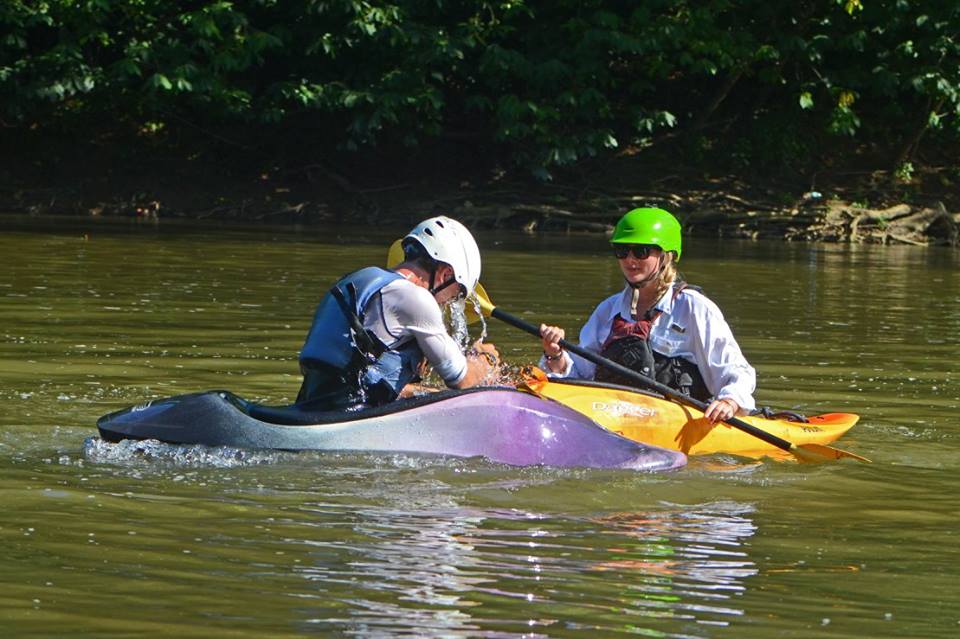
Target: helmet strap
{"points": [[435, 288], [636, 286]]}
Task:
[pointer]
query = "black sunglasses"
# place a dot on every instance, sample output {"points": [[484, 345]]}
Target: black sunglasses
{"points": [[640, 251]]}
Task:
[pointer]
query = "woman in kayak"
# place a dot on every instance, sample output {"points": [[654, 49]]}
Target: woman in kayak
{"points": [[373, 330], [658, 325]]}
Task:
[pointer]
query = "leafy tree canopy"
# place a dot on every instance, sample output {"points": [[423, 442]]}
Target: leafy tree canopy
{"points": [[548, 81]]}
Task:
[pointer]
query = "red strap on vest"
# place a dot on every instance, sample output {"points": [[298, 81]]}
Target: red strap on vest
{"points": [[622, 328], [641, 328]]}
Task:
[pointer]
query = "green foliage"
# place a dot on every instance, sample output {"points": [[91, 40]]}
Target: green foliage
{"points": [[551, 82], [904, 172]]}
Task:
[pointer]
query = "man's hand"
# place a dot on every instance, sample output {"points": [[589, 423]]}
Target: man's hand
{"points": [[482, 362]]}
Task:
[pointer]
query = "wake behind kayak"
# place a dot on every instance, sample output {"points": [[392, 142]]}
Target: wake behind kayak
{"points": [[500, 424]]}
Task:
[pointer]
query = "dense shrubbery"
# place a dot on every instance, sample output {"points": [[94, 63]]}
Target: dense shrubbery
{"points": [[549, 81]]}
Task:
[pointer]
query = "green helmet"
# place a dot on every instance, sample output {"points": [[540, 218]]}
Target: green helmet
{"points": [[649, 226]]}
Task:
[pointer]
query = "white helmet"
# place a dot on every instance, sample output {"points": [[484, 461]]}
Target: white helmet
{"points": [[448, 241]]}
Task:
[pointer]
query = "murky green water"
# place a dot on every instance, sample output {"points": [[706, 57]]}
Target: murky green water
{"points": [[120, 540]]}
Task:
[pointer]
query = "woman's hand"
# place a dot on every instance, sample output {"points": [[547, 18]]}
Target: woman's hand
{"points": [[550, 337], [720, 410]]}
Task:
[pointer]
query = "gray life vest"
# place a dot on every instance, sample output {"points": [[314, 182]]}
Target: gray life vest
{"points": [[343, 363]]}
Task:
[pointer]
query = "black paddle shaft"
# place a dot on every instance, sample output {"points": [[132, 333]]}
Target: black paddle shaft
{"points": [[643, 380]]}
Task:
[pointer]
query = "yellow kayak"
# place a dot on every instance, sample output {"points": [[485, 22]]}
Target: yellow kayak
{"points": [[653, 420]]}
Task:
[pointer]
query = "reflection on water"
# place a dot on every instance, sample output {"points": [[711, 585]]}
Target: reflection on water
{"points": [[365, 558], [436, 570]]}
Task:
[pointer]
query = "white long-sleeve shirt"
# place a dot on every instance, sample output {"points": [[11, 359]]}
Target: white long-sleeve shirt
{"points": [[690, 326], [402, 310]]}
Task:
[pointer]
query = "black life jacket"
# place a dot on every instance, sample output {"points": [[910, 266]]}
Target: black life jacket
{"points": [[628, 344]]}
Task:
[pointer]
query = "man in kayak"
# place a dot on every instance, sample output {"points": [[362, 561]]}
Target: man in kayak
{"points": [[373, 330], [658, 325]]}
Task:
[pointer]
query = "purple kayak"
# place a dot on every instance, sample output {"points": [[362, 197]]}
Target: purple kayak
{"points": [[500, 424]]}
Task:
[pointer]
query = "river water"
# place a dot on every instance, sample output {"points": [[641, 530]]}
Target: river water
{"points": [[103, 540]]}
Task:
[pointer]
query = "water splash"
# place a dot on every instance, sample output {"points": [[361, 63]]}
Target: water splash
{"points": [[131, 452], [456, 318], [153, 453]]}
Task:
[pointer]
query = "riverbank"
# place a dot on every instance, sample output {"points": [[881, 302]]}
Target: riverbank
{"points": [[848, 204]]}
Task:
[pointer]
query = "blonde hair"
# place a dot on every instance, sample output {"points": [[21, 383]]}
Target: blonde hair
{"points": [[668, 274]]}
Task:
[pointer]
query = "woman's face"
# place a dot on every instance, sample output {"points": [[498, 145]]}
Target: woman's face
{"points": [[636, 269]]}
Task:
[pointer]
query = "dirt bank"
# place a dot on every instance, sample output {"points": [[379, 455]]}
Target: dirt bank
{"points": [[840, 206]]}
